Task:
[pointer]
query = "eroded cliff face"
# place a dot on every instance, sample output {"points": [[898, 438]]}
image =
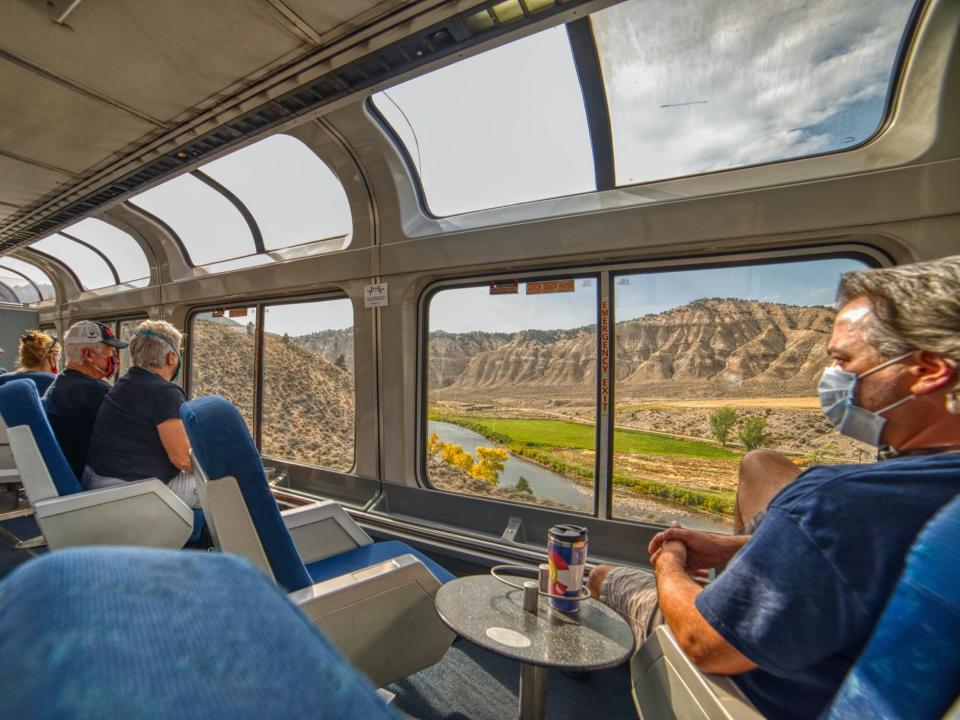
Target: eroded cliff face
{"points": [[716, 345]]}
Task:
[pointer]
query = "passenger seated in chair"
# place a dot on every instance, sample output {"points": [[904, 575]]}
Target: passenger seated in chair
{"points": [[39, 358], [139, 433], [804, 588], [72, 401]]}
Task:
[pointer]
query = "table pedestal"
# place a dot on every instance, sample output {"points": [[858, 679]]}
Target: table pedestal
{"points": [[533, 692]]}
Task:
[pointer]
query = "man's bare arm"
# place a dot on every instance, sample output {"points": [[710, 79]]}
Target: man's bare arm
{"points": [[708, 650]]}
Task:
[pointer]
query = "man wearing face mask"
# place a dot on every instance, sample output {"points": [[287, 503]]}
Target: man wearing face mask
{"points": [[139, 433], [800, 596], [73, 399]]}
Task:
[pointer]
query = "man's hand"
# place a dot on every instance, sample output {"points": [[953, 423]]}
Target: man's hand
{"points": [[677, 594], [702, 550]]}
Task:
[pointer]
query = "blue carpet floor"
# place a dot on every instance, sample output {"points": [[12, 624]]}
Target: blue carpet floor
{"points": [[11, 531], [471, 683]]}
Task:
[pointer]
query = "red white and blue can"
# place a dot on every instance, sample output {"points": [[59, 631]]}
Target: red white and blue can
{"points": [[566, 556]]}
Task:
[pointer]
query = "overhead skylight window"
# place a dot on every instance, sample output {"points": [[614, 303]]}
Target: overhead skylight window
{"points": [[37, 275], [122, 250], [291, 193], [699, 85], [504, 127], [91, 269], [209, 225]]}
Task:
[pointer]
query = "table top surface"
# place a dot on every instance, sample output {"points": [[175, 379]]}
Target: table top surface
{"points": [[490, 613]]}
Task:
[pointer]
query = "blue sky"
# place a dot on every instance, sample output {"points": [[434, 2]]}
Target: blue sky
{"points": [[810, 282]]}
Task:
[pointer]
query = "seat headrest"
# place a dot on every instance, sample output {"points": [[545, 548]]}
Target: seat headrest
{"points": [[20, 405], [222, 445]]}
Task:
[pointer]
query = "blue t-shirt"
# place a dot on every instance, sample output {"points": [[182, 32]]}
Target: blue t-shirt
{"points": [[41, 379], [71, 404], [125, 442], [802, 597]]}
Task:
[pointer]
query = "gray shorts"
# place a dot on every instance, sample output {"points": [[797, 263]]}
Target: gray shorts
{"points": [[183, 485], [633, 593]]}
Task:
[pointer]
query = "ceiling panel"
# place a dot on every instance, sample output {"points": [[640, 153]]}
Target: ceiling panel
{"points": [[131, 52], [22, 183], [60, 126], [324, 16]]}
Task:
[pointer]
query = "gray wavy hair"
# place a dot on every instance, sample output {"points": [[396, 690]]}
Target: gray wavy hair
{"points": [[150, 351], [915, 307]]}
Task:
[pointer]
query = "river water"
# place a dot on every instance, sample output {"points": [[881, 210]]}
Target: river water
{"points": [[548, 484]]}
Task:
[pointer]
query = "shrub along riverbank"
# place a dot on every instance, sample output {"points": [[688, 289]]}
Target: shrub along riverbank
{"points": [[535, 439]]}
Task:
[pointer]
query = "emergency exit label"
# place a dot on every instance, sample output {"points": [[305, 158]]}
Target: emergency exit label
{"points": [[375, 295]]}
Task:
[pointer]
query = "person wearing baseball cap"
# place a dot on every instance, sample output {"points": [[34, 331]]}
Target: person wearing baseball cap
{"points": [[74, 398]]}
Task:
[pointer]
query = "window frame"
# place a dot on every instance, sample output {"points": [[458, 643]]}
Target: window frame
{"points": [[606, 275], [261, 304], [423, 370]]}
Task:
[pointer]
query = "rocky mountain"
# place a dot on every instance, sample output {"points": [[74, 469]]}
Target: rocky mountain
{"points": [[308, 401], [332, 345], [711, 345]]}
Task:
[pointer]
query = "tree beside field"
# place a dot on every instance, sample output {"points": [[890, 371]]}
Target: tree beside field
{"points": [[753, 432], [487, 466], [722, 421]]}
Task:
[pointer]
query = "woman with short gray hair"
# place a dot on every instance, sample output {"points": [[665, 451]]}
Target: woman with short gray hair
{"points": [[138, 433]]}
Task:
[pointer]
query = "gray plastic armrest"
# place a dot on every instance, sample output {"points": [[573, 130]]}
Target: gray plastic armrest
{"points": [[323, 530], [138, 513], [381, 617], [9, 475], [666, 684]]}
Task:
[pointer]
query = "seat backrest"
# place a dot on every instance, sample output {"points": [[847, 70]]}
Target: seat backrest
{"points": [[223, 448], [165, 634], [44, 470], [911, 665]]}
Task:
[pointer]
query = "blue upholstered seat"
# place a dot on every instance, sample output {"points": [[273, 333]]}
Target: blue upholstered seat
{"points": [[20, 405], [145, 633], [911, 666], [367, 555], [223, 446]]}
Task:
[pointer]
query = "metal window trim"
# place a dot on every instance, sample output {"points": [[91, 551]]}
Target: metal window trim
{"points": [[586, 62], [164, 227], [100, 253], [241, 208]]}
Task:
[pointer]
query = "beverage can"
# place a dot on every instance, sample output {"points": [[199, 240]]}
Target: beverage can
{"points": [[566, 557]]}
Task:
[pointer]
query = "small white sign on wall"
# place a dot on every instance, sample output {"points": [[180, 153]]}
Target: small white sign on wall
{"points": [[375, 295]]}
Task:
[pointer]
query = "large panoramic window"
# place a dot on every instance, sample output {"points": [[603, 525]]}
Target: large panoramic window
{"points": [[710, 364], [308, 383], [291, 193], [34, 273], [503, 127], [16, 289], [91, 270], [511, 391], [121, 249], [208, 224], [701, 85], [222, 357]]}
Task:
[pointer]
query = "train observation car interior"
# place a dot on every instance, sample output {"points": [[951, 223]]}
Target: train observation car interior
{"points": [[449, 275]]}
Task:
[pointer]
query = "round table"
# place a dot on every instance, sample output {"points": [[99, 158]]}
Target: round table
{"points": [[490, 613]]}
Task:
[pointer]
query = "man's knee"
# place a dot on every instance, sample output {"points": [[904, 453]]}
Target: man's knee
{"points": [[595, 579]]}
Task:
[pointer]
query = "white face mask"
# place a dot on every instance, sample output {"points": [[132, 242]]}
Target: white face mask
{"points": [[837, 390]]}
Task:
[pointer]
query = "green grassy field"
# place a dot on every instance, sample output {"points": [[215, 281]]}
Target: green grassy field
{"points": [[564, 434], [535, 439]]}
